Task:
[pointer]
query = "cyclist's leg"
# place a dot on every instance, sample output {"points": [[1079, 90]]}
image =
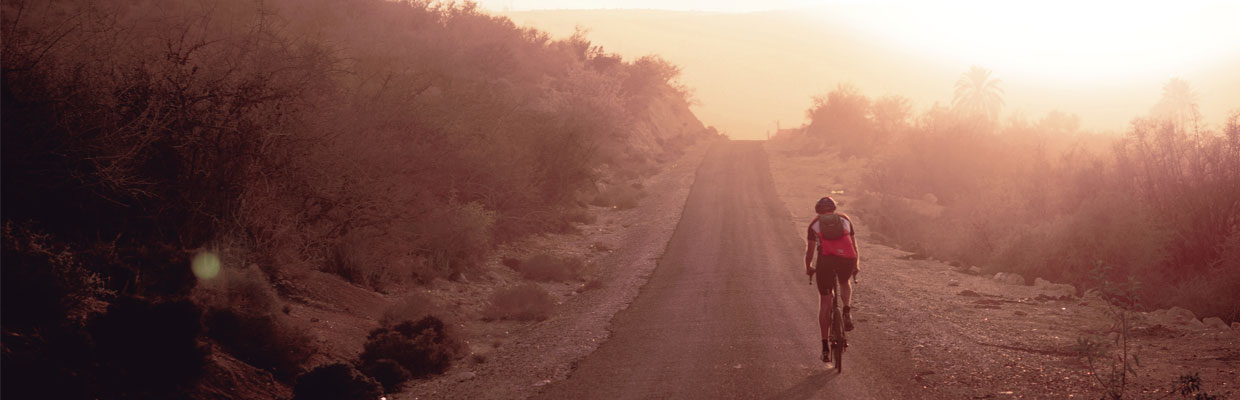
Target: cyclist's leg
{"points": [[844, 272], [845, 291]]}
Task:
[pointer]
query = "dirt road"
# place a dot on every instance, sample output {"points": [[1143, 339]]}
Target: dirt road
{"points": [[729, 312]]}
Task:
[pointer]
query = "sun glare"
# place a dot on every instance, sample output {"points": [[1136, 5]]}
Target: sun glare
{"points": [[1077, 41]]}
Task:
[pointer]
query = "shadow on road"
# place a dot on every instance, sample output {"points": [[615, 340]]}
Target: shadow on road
{"points": [[806, 388]]}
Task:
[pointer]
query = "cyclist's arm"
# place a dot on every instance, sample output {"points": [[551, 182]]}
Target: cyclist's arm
{"points": [[852, 231], [811, 244]]}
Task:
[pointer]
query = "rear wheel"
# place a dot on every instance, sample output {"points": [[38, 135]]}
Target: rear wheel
{"points": [[837, 355]]}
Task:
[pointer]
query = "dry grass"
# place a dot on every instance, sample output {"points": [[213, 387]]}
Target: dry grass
{"points": [[524, 302], [619, 196], [546, 267]]}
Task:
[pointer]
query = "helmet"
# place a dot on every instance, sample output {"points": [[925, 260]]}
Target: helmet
{"points": [[825, 205]]}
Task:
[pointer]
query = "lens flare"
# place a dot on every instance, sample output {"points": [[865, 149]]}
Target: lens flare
{"points": [[206, 265]]}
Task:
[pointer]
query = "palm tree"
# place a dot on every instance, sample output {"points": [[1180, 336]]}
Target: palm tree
{"points": [[978, 95]]}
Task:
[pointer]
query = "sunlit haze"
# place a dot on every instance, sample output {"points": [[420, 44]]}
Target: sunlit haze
{"points": [[754, 63]]}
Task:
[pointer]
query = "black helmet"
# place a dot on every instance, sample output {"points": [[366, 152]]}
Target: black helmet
{"points": [[825, 205]]}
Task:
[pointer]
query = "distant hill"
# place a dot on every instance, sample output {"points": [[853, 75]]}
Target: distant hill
{"points": [[751, 70]]}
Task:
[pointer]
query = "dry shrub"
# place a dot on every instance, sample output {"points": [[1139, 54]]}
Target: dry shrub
{"points": [[413, 307], [427, 346], [147, 349], [620, 196], [592, 284], [900, 222], [388, 373], [1208, 295], [45, 282], [335, 381], [523, 302], [546, 267], [243, 316], [372, 259], [577, 215], [454, 238], [1066, 247]]}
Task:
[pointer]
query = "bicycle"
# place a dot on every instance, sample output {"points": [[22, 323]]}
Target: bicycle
{"points": [[837, 341]]}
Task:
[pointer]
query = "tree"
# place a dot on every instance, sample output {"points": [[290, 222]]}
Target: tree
{"points": [[1178, 105], [978, 96]]}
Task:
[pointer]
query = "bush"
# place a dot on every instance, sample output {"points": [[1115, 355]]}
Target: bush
{"points": [[338, 381], [523, 302], [455, 237], [148, 349], [425, 347], [389, 373], [267, 341], [621, 197], [546, 267], [44, 282], [413, 307]]}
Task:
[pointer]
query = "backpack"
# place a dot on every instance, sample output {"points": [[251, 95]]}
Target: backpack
{"points": [[831, 226], [840, 246]]}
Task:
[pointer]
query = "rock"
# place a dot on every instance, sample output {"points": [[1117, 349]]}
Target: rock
{"points": [[968, 293], [1010, 278], [464, 376], [1235, 325], [954, 282], [974, 270], [1197, 324], [1059, 290], [1039, 282], [1180, 316], [1215, 323], [1019, 313]]}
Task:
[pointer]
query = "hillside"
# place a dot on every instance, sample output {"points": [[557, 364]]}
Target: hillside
{"points": [[219, 200]]}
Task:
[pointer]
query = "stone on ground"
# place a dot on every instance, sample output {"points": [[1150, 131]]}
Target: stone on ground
{"points": [[1215, 323]]}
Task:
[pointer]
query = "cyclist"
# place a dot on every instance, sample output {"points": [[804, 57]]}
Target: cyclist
{"points": [[837, 258]]}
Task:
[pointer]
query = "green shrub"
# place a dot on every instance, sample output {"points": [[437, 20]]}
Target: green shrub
{"points": [[425, 347], [546, 267], [338, 381], [524, 302]]}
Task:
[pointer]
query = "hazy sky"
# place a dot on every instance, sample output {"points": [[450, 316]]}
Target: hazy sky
{"points": [[677, 5], [1105, 60]]}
